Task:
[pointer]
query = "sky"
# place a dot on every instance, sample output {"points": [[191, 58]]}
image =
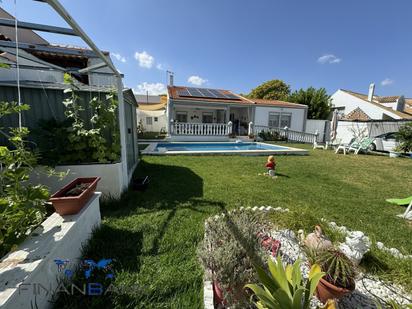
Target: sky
{"points": [[238, 44]]}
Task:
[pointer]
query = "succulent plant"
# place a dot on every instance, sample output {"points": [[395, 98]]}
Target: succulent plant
{"points": [[339, 269]]}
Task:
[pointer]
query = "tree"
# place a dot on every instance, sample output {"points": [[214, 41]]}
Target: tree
{"points": [[271, 90], [317, 100]]}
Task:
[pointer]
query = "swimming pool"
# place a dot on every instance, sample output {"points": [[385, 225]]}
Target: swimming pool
{"points": [[251, 148]]}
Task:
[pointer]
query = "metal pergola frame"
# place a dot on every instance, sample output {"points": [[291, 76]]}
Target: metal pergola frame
{"points": [[76, 30]]}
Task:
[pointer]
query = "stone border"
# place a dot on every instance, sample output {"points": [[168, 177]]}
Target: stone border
{"points": [[366, 286], [393, 251], [26, 273]]}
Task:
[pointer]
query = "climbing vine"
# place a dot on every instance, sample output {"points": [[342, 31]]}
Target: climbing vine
{"points": [[97, 140]]}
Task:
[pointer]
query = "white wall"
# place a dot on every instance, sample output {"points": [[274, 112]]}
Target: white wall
{"points": [[32, 265], [345, 130], [349, 102], [320, 126], [298, 116], [156, 126], [110, 184]]}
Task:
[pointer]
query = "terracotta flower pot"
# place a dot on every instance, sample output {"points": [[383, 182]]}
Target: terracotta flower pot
{"points": [[326, 290], [70, 205]]}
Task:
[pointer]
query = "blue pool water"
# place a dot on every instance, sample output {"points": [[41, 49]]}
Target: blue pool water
{"points": [[161, 147]]}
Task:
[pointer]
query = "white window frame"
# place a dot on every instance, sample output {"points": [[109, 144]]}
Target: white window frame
{"points": [[209, 114], [279, 120], [181, 113], [149, 121], [275, 114]]}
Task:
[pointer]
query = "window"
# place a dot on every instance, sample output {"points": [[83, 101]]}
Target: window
{"points": [[207, 117], [181, 116], [279, 120], [274, 120], [285, 120], [149, 121], [155, 119]]}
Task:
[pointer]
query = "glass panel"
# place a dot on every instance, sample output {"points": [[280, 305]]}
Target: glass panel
{"points": [[181, 117], [207, 117], [274, 120], [148, 120], [285, 120]]}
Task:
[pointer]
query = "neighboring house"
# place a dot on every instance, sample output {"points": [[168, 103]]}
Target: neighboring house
{"points": [[200, 113], [42, 66], [151, 113], [363, 107]]}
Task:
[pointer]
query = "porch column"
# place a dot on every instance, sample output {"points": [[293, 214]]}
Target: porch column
{"points": [[227, 114]]}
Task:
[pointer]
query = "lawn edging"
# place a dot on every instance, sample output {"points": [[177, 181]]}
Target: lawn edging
{"points": [[29, 275]]}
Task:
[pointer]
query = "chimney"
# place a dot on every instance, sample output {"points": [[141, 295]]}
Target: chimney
{"points": [[400, 104], [171, 77], [371, 92]]}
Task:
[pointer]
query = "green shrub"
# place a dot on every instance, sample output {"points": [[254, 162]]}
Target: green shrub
{"points": [[404, 137], [271, 136], [230, 248], [22, 206]]}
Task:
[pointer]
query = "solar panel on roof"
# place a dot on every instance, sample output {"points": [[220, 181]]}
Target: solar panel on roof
{"points": [[183, 93], [206, 93], [195, 92]]}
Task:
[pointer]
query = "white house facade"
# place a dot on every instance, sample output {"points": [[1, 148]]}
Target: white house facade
{"points": [[216, 114], [357, 106], [151, 113]]}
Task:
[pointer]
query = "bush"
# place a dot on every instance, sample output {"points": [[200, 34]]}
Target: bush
{"points": [[271, 136], [404, 137], [22, 206], [230, 248]]}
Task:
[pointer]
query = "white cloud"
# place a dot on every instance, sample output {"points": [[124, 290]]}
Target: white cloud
{"points": [[152, 88], [387, 82], [145, 60], [118, 57], [196, 80], [160, 67], [329, 58]]}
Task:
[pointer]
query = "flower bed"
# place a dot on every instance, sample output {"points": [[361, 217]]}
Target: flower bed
{"points": [[369, 289]]}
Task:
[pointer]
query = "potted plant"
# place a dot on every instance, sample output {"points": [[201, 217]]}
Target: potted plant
{"points": [[70, 199], [340, 273], [232, 245]]}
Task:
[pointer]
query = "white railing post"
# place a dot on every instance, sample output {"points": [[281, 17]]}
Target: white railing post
{"points": [[250, 129], [172, 126], [229, 128], [286, 133]]}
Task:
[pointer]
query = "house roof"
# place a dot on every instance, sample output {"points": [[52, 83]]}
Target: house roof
{"points": [[277, 103], [174, 94], [377, 100], [240, 100], [357, 114]]}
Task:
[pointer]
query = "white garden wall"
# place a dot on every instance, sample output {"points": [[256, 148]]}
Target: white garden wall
{"points": [[320, 126], [31, 268], [110, 184]]}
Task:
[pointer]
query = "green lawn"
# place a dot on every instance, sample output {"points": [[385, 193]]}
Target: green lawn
{"points": [[154, 235]]}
